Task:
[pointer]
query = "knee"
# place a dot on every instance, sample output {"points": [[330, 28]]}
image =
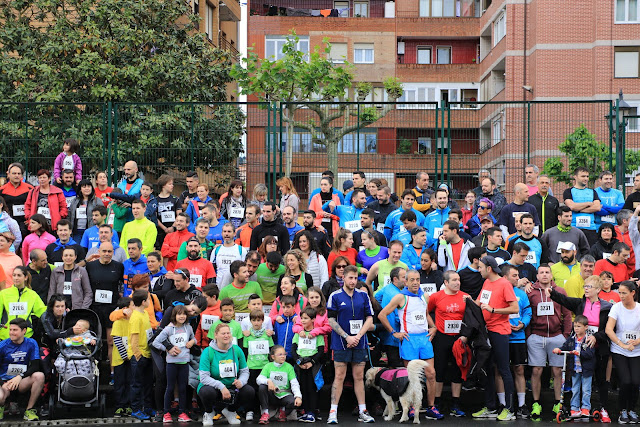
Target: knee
{"points": [[430, 373], [519, 370], [536, 371], [358, 375], [38, 378], [340, 375]]}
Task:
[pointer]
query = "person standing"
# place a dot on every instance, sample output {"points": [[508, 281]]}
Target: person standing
{"points": [[270, 227], [546, 204], [46, 200], [519, 206], [584, 202], [15, 193]]}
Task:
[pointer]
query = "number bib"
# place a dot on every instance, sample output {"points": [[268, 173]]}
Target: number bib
{"points": [[307, 343], [591, 330], [606, 255], [629, 335], [418, 318], [355, 326], [44, 212], [266, 309], [18, 308], [546, 308], [514, 316], [386, 280], [81, 213], [428, 288], [18, 210], [66, 288], [452, 326], [437, 232], [380, 227], [583, 221], [16, 369], [532, 258], [69, 200], [149, 333], [179, 340], [241, 316], [258, 347], [111, 218], [611, 219], [196, 280], [168, 216], [353, 226], [58, 264], [485, 297], [236, 212], [402, 229], [227, 370], [279, 379], [208, 320], [104, 297]]}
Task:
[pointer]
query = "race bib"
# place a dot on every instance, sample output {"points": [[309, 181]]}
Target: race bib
{"points": [[360, 248], [279, 379], [266, 309], [179, 340], [386, 280], [418, 318], [514, 316], [258, 347], [629, 335], [546, 308], [437, 232], [236, 212], [44, 212], [403, 229], [15, 369], [452, 326], [583, 221], [95, 245], [58, 264], [428, 288], [234, 341], [168, 216], [531, 258], [196, 280], [81, 213], [355, 326], [125, 341], [307, 344], [227, 370], [69, 200], [104, 297], [66, 288], [111, 218], [207, 320], [353, 226], [485, 296], [241, 316], [67, 163], [605, 255], [380, 227], [591, 330], [149, 333], [611, 219], [18, 308], [18, 210]]}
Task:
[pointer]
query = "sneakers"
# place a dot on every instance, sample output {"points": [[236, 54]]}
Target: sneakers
{"points": [[433, 414], [364, 417], [308, 418], [585, 412], [282, 416], [232, 417], [456, 412], [633, 417], [207, 419], [604, 416], [184, 418], [166, 418], [523, 412], [557, 407], [485, 413], [576, 414], [31, 415], [141, 416], [506, 415], [248, 416], [264, 418], [120, 413], [536, 410], [150, 411], [624, 417], [333, 417], [158, 417]]}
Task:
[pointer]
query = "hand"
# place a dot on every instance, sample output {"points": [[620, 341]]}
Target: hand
{"points": [[467, 296], [523, 282], [363, 271], [127, 312], [547, 291], [93, 257], [432, 333], [170, 275], [352, 341], [434, 267], [486, 307], [556, 351], [400, 335], [332, 205], [528, 287], [246, 333], [463, 339], [58, 180], [237, 384], [576, 352], [77, 329], [270, 332], [271, 386], [590, 341], [628, 347], [174, 351], [326, 214], [279, 319], [225, 394], [190, 343], [92, 342], [13, 383], [302, 333], [517, 327], [634, 342], [297, 402], [306, 365]]}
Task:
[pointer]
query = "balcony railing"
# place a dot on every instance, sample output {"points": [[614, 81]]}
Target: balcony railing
{"points": [[321, 8], [225, 44]]}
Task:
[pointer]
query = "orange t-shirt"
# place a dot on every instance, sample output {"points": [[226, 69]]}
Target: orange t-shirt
{"points": [[497, 294]]}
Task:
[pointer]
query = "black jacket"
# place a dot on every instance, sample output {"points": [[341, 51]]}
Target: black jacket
{"points": [[550, 217], [587, 356], [475, 329], [270, 228], [321, 239], [601, 247], [381, 211]]}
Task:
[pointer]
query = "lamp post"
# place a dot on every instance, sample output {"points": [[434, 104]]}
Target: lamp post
{"points": [[620, 114]]}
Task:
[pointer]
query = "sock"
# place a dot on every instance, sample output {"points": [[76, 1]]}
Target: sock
{"points": [[502, 399], [455, 402], [521, 399], [362, 407], [333, 408], [437, 401], [266, 411]]}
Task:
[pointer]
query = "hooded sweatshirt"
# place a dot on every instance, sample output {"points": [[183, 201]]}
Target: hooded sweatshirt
{"points": [[602, 249], [270, 228], [548, 325]]}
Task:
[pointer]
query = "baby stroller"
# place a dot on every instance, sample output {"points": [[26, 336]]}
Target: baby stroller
{"points": [[78, 376]]}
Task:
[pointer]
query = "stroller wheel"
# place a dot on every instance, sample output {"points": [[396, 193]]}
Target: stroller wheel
{"points": [[52, 406], [597, 416]]}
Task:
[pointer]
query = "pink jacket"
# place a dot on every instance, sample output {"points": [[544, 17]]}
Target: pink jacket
{"points": [[33, 241], [276, 308], [77, 166], [316, 205], [320, 327]]}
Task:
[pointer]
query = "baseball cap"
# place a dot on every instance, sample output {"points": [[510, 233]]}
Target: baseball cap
{"points": [[490, 261], [347, 185], [567, 246], [417, 230], [486, 218]]}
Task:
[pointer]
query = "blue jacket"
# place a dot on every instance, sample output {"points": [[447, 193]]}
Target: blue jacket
{"points": [[587, 356], [135, 188], [411, 258], [90, 238], [393, 225], [612, 201], [284, 332], [192, 214], [524, 316], [473, 225], [345, 213], [132, 268], [434, 222]]}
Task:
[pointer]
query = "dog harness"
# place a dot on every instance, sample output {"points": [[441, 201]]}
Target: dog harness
{"points": [[394, 382]]}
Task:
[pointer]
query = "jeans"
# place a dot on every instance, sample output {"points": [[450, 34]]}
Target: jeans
{"points": [[141, 384], [268, 400], [577, 381], [122, 384]]}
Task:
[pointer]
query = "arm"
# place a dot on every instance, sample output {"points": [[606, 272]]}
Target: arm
{"points": [[15, 229], [135, 346], [387, 310], [565, 301], [634, 234], [78, 167], [373, 273], [168, 250], [116, 315], [336, 327], [526, 314], [324, 329], [324, 271], [207, 379], [86, 289], [567, 319], [160, 339], [295, 388], [62, 204], [118, 343]]}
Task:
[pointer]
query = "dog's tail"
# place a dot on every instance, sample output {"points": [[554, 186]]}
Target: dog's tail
{"points": [[415, 368]]}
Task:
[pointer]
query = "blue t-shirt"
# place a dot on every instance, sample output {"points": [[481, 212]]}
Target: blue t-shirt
{"points": [[411, 257], [524, 316], [394, 228], [215, 233], [612, 201], [90, 238], [351, 313], [15, 358], [132, 268], [583, 221]]}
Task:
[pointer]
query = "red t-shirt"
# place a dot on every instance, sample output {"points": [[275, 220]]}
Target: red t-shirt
{"points": [[497, 294], [611, 296], [100, 195], [447, 307], [201, 270], [456, 249], [350, 253], [620, 271]]}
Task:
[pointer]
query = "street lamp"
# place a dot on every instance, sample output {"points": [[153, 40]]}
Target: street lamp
{"points": [[620, 114]]}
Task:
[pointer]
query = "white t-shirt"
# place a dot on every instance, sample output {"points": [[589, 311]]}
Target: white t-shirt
{"points": [[223, 256], [246, 323], [627, 321]]}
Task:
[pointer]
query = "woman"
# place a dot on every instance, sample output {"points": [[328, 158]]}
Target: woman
{"points": [[269, 244], [603, 248], [160, 285], [46, 200], [71, 281], [51, 322], [223, 370], [597, 312], [336, 280], [316, 264], [329, 221], [622, 329], [39, 238], [162, 210], [485, 206], [197, 203], [102, 188], [289, 194], [20, 301], [467, 208], [371, 253], [342, 246], [142, 282], [295, 266], [287, 287], [233, 206], [81, 208], [8, 260], [9, 224], [260, 193], [430, 276]]}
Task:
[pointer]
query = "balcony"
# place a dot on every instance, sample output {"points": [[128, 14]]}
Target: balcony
{"points": [[225, 44], [445, 73], [323, 8], [229, 10]]}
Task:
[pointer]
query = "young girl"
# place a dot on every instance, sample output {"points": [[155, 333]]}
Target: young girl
{"points": [[68, 159], [163, 209], [233, 205], [39, 238], [606, 279], [342, 246], [176, 339], [308, 351], [287, 287], [321, 322], [278, 386]]}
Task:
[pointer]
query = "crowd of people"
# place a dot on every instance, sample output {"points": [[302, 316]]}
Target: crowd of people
{"points": [[206, 303]]}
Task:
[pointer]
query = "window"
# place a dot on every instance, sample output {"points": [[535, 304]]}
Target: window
{"points": [[424, 145], [377, 94], [437, 8], [208, 21], [424, 55], [499, 28], [442, 145], [367, 143], [627, 62], [361, 9], [195, 6], [634, 124], [274, 45], [496, 134], [338, 53], [627, 10], [443, 54], [363, 53], [343, 8], [422, 94]]}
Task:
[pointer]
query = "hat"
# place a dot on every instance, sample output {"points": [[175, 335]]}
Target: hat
{"points": [[567, 246], [417, 230], [444, 187], [347, 185], [486, 218], [490, 261], [193, 239]]}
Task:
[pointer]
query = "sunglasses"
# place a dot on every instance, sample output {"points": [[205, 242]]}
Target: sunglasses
{"points": [[182, 273], [483, 207], [340, 266]]}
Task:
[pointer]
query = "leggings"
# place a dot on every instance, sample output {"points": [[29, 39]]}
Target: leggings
{"points": [[268, 398], [212, 398], [499, 357], [629, 378], [159, 369], [602, 358], [177, 374], [308, 388]]}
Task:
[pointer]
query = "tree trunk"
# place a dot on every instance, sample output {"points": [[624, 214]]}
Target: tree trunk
{"points": [[332, 155], [289, 153]]}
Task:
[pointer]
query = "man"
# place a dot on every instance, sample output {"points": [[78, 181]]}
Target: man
{"points": [[519, 206], [569, 265], [131, 182], [270, 227], [184, 292], [224, 255], [482, 174], [206, 245], [471, 280], [521, 259], [91, 238], [415, 333], [584, 203], [20, 369], [268, 276], [413, 251], [140, 228], [211, 212], [173, 241], [201, 269], [252, 260], [373, 186], [434, 221], [381, 270], [623, 234], [574, 285], [136, 263], [349, 215], [546, 205], [350, 317], [422, 192], [490, 192], [633, 199], [452, 250], [494, 246], [549, 328], [485, 224], [409, 223], [327, 174], [531, 173], [359, 182], [390, 344], [55, 249], [15, 193], [366, 223], [251, 220], [393, 223], [319, 234], [538, 249], [497, 301], [68, 186], [40, 271], [382, 207], [565, 232], [191, 180], [612, 199], [105, 234], [616, 263], [241, 288]]}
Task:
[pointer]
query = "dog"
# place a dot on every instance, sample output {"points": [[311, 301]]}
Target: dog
{"points": [[404, 384]]}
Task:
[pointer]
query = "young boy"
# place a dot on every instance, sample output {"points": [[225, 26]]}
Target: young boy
{"points": [[120, 359], [255, 303], [209, 316], [227, 315], [140, 333], [284, 330], [582, 362], [606, 280], [256, 343], [308, 353]]}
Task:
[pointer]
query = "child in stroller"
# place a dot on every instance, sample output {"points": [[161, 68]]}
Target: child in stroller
{"points": [[76, 345]]}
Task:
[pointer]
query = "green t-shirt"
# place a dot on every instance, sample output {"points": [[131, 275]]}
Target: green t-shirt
{"points": [[205, 250], [240, 296], [268, 281], [281, 377], [223, 366], [384, 272], [308, 346], [257, 350], [236, 330]]}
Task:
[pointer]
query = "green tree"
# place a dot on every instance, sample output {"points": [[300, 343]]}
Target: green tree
{"points": [[581, 148], [299, 77], [84, 51]]}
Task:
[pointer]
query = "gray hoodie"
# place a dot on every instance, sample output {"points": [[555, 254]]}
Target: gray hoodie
{"points": [[178, 336]]}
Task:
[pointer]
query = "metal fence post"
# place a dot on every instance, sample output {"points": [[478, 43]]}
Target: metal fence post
{"points": [[280, 139], [110, 141], [26, 136], [437, 109], [268, 141], [115, 142], [192, 136]]}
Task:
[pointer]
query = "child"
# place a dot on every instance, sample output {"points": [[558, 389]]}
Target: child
{"points": [[68, 159], [120, 360], [176, 339], [140, 356], [606, 280], [209, 316], [76, 345], [257, 343], [583, 364], [84, 337], [278, 386], [117, 213], [321, 322], [283, 327], [228, 314], [307, 351], [288, 287], [255, 303]]}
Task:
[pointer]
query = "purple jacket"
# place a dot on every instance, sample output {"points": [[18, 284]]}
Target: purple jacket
{"points": [[77, 166]]}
